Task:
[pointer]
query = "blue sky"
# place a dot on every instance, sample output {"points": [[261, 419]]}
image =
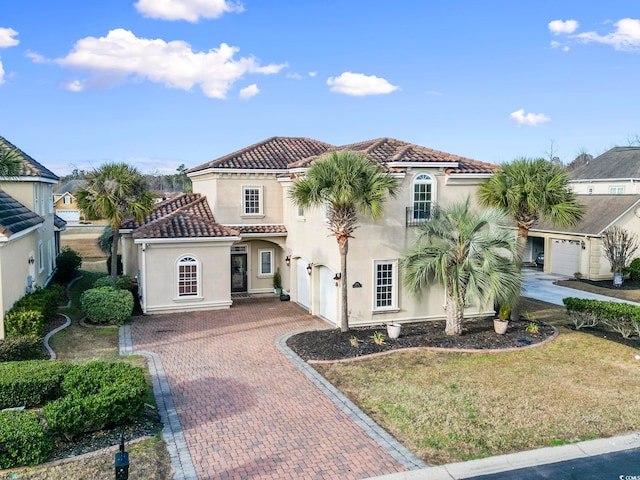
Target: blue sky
{"points": [[158, 83]]}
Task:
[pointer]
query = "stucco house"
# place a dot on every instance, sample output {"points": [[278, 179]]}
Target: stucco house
{"points": [[230, 237], [615, 172], [29, 230]]}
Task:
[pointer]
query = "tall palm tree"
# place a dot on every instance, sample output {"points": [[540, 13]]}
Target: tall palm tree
{"points": [[115, 191], [10, 164], [471, 253], [347, 184], [529, 189]]}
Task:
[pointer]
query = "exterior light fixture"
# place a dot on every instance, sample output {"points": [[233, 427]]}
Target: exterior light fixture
{"points": [[31, 260], [309, 268], [337, 277], [288, 260]]}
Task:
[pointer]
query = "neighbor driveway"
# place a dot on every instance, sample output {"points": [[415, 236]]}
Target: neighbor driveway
{"points": [[245, 411]]}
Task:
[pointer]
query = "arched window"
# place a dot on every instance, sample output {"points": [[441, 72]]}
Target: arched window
{"points": [[422, 196], [188, 277]]}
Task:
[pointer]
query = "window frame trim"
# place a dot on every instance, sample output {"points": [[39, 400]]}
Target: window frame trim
{"points": [[197, 263], [271, 252], [394, 286], [416, 181], [260, 190]]}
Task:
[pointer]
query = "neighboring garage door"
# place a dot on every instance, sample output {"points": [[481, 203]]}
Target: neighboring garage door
{"points": [[328, 296], [69, 215], [303, 283], [565, 257]]}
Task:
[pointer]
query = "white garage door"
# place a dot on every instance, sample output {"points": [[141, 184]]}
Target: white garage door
{"points": [[69, 215], [328, 296], [302, 283], [565, 257]]}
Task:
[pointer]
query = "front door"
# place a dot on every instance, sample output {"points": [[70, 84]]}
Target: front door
{"points": [[238, 272]]}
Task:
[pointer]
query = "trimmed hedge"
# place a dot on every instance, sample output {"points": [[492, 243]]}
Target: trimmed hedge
{"points": [[98, 395], [31, 383], [633, 270], [67, 264], [22, 439], [623, 318], [43, 300], [123, 282], [107, 305], [24, 347]]}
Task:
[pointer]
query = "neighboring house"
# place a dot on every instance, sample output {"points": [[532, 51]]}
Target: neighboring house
{"points": [[615, 172], [609, 188], [196, 251], [29, 230], [579, 248], [65, 204]]}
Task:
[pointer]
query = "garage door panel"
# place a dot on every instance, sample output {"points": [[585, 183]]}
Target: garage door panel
{"points": [[565, 256]]}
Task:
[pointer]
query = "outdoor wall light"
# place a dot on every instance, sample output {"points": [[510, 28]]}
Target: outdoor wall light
{"points": [[288, 260], [337, 277], [31, 260], [309, 268], [583, 245]]}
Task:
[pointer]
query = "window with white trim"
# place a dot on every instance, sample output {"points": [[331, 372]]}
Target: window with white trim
{"points": [[300, 211], [188, 277], [252, 200], [385, 285], [52, 257], [590, 190], [50, 197], [40, 256], [422, 196], [36, 203], [616, 190], [67, 200], [265, 259]]}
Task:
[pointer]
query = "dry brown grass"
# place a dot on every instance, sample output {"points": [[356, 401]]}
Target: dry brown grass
{"points": [[453, 407]]}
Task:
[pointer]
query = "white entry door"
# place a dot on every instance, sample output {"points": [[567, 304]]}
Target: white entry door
{"points": [[302, 283], [328, 296], [565, 257]]}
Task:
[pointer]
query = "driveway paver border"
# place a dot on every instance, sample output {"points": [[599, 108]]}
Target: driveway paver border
{"points": [[371, 428]]}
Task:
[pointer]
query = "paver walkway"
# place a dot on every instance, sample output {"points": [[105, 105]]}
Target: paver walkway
{"points": [[246, 411]]}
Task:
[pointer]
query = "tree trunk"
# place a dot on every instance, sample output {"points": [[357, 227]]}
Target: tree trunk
{"points": [[455, 317], [521, 240], [343, 245], [114, 257]]}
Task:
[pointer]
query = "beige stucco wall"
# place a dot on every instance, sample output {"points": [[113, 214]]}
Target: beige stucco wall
{"points": [[309, 241], [158, 282], [224, 192], [602, 188]]}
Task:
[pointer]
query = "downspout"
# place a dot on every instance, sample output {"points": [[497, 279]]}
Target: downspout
{"points": [[143, 269]]}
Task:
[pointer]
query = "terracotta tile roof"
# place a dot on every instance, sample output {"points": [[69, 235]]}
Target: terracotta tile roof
{"points": [[15, 217], [274, 153], [259, 229], [600, 212], [177, 219], [31, 168], [162, 209], [390, 150]]}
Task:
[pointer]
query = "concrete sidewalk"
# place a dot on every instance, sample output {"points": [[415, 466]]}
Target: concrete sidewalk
{"points": [[539, 286]]}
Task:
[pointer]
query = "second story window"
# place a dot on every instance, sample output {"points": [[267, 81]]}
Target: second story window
{"points": [[252, 200], [616, 190], [67, 200], [422, 196]]}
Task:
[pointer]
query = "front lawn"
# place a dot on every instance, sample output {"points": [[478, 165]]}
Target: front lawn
{"points": [[448, 407]]}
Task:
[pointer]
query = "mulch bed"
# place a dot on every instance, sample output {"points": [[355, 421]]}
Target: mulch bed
{"points": [[478, 334]]}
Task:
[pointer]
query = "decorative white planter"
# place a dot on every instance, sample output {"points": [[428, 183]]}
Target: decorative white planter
{"points": [[393, 330], [500, 326]]}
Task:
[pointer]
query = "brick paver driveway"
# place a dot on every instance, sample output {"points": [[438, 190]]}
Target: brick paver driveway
{"points": [[245, 410]]}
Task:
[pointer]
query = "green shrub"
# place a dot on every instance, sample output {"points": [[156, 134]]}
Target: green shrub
{"points": [[31, 383], [24, 347], [43, 300], [99, 395], [107, 305], [123, 282], [623, 318], [22, 439], [23, 322], [67, 264]]}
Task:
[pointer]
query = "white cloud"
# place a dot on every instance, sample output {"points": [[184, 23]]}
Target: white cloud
{"points": [[434, 92], [555, 44], [189, 10], [626, 36], [74, 86], [35, 57], [121, 56], [313, 74], [565, 49], [294, 76], [248, 92], [558, 26], [359, 84], [532, 119], [6, 37]]}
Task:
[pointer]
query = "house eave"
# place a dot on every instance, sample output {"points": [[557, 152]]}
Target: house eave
{"points": [[422, 164], [186, 240], [237, 170]]}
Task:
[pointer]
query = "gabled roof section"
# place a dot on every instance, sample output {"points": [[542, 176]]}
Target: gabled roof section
{"points": [[162, 209], [59, 223], [274, 153], [619, 162], [387, 151], [186, 217], [15, 217], [72, 187], [601, 211], [31, 168]]}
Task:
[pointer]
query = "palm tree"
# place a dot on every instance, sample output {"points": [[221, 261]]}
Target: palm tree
{"points": [[115, 191], [10, 164], [529, 189], [471, 253], [346, 183]]}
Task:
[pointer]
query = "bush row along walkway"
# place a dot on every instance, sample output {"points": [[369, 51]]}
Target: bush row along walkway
{"points": [[243, 409]]}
